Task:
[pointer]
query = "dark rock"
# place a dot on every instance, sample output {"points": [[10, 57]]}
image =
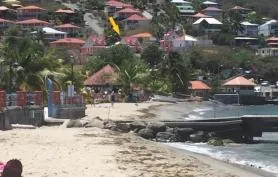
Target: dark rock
{"points": [[197, 137], [216, 142], [183, 133], [146, 133], [74, 124], [125, 127], [170, 130], [138, 125], [157, 127], [165, 137], [211, 135], [109, 124]]}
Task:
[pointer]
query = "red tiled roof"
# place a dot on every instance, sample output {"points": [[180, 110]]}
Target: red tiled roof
{"points": [[114, 3], [98, 40], [3, 20], [128, 10], [131, 41], [135, 17], [239, 81], [272, 39], [68, 25], [31, 8], [200, 15], [68, 41], [104, 76], [212, 9], [199, 85], [66, 11], [32, 21], [143, 35]]}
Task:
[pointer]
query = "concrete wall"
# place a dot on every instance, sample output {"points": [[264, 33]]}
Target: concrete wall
{"points": [[71, 112], [31, 115]]}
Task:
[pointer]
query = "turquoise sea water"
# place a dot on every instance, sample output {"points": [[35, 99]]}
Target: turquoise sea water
{"points": [[263, 154]]}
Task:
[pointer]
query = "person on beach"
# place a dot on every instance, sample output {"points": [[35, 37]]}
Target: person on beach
{"points": [[13, 168], [112, 98]]}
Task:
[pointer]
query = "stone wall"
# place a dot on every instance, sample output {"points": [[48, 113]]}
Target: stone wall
{"points": [[71, 112], [31, 115]]}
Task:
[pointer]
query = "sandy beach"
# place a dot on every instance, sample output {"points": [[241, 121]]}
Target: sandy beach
{"points": [[86, 152]]}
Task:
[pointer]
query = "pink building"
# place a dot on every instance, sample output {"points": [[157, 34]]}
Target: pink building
{"points": [[126, 12], [93, 45], [113, 6], [29, 12], [32, 23], [133, 43], [68, 43], [68, 28]]}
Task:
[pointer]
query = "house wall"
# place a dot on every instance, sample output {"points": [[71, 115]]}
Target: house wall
{"points": [[249, 31], [265, 52], [243, 90]]}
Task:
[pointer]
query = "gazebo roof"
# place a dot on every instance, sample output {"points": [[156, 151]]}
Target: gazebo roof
{"points": [[199, 85], [105, 76], [239, 81]]}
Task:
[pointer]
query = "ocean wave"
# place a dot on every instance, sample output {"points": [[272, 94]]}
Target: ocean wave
{"points": [[202, 109], [227, 156]]}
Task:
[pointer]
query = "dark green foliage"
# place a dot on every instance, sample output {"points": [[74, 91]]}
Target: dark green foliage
{"points": [[152, 55]]}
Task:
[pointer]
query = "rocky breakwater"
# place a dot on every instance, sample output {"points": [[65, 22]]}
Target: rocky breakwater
{"points": [[156, 131]]}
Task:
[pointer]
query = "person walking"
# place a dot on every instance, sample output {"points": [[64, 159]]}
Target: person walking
{"points": [[113, 98]]}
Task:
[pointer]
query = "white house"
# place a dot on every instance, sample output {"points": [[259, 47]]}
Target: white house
{"points": [[208, 25], [249, 29], [51, 34], [269, 28], [184, 7]]}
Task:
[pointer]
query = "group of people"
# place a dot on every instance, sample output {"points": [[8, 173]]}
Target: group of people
{"points": [[13, 168]]}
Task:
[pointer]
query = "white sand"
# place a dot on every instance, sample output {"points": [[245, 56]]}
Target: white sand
{"points": [[93, 152]]}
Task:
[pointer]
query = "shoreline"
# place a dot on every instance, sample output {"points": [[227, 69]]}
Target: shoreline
{"points": [[55, 150], [243, 170]]}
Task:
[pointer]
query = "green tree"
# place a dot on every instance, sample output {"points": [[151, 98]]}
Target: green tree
{"points": [[152, 55]]}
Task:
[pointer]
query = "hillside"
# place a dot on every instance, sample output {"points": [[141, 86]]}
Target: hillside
{"points": [[266, 8]]}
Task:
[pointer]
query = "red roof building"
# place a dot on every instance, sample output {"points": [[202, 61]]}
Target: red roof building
{"points": [[31, 23], [68, 43], [126, 12], [239, 85], [133, 43], [199, 88], [272, 41], [112, 6], [5, 23], [212, 12], [105, 77], [136, 21], [93, 45], [68, 28], [29, 12]]}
